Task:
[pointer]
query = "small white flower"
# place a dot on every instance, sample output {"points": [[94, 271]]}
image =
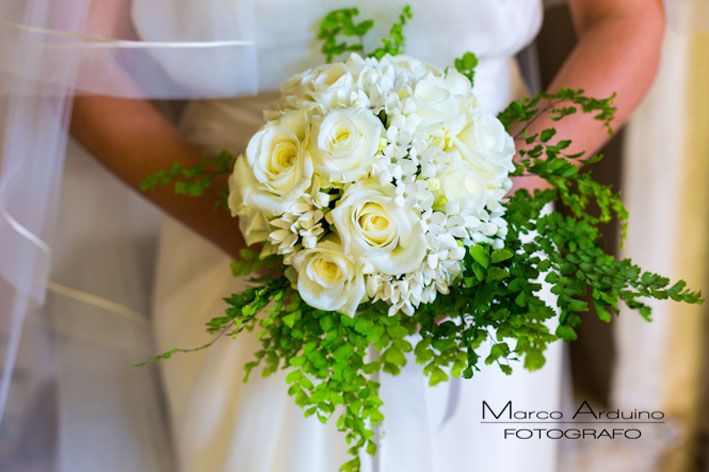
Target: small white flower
{"points": [[284, 240]]}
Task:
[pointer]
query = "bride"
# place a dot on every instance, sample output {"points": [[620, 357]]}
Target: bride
{"points": [[217, 421]]}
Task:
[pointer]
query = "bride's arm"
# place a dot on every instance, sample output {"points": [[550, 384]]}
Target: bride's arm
{"points": [[133, 140], [140, 141], [618, 52]]}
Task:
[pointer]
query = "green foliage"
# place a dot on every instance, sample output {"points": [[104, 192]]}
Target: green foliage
{"points": [[495, 313], [576, 189], [249, 263], [395, 43], [496, 302], [191, 181], [340, 33], [574, 262], [327, 355], [466, 65], [334, 362], [557, 105]]}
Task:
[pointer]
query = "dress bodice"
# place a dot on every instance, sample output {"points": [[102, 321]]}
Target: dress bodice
{"points": [[285, 35]]}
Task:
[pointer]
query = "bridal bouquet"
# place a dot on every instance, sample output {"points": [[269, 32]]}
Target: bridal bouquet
{"points": [[379, 189]]}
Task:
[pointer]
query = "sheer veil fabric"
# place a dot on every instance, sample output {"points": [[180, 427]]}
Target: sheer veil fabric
{"points": [[72, 294]]}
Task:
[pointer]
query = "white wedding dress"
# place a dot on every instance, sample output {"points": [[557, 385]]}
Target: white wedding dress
{"points": [[221, 424]]}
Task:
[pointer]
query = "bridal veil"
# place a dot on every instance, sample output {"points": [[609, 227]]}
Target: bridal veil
{"points": [[75, 266]]}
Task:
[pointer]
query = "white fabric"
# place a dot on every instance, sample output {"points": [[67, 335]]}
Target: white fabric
{"points": [[91, 46], [77, 404], [73, 403], [220, 423], [53, 49], [32, 144], [106, 413], [109, 413]]}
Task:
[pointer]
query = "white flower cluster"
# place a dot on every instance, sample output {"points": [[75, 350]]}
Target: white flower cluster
{"points": [[370, 178]]}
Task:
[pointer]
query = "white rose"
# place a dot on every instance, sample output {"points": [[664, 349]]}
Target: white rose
{"points": [[252, 222], [436, 105], [485, 144], [328, 279], [376, 231], [344, 143], [329, 76], [464, 185], [277, 168], [329, 86], [458, 84]]}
